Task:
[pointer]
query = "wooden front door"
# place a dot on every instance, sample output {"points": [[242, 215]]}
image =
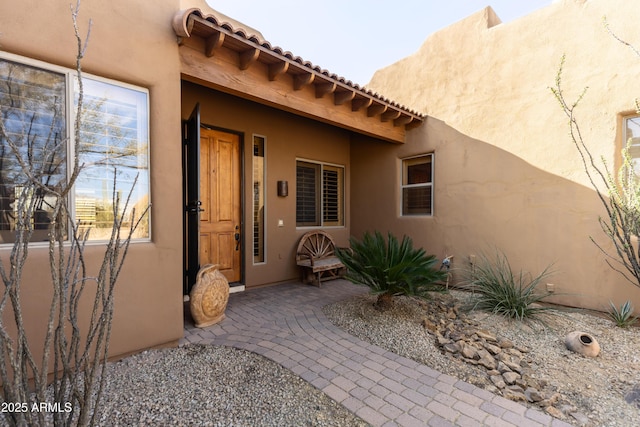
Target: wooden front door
{"points": [[220, 191]]}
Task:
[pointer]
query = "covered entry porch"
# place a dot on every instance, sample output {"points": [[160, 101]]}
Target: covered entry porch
{"points": [[295, 124]]}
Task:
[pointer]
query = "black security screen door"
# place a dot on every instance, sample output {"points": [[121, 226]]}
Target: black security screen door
{"points": [[191, 197]]}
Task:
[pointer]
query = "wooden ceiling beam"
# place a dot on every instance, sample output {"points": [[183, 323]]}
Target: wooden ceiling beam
{"points": [[212, 43], [375, 109], [302, 80], [359, 103], [277, 69], [340, 98], [221, 73], [402, 120], [248, 57], [390, 115], [324, 88]]}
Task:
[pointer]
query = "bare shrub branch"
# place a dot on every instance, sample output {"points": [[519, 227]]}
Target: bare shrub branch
{"points": [[77, 346], [621, 192]]}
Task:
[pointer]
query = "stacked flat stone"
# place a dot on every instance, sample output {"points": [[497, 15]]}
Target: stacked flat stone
{"points": [[505, 364]]}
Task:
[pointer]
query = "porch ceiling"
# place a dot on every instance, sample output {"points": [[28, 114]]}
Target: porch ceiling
{"points": [[216, 54]]}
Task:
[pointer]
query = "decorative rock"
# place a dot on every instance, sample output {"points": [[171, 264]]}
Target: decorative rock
{"points": [[582, 343], [486, 335], [487, 360], [633, 396], [507, 371], [513, 366], [469, 352], [452, 347], [505, 343], [493, 349], [533, 395], [456, 336], [510, 377], [550, 400], [515, 352], [521, 349], [498, 381], [442, 340], [522, 383], [555, 412], [502, 368], [513, 395], [429, 325], [209, 297], [516, 388]]}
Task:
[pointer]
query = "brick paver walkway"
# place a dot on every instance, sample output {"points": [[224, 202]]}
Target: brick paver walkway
{"points": [[285, 323]]}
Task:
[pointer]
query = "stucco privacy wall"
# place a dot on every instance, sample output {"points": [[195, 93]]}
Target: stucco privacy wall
{"points": [[508, 176], [288, 137], [485, 199], [133, 43]]}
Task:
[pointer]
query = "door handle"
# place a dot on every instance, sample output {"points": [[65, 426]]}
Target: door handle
{"points": [[195, 207], [237, 237]]}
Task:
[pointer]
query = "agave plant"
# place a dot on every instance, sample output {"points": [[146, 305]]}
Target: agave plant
{"points": [[497, 289], [389, 267], [623, 316]]}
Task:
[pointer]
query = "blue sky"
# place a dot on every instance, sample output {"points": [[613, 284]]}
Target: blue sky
{"points": [[354, 38]]}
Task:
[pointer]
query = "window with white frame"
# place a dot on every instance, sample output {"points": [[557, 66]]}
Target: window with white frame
{"points": [[417, 185], [631, 136], [37, 110], [319, 194]]}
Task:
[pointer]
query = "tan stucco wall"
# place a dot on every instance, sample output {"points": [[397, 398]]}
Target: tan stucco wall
{"points": [[492, 82], [133, 43], [507, 176], [288, 137], [485, 199]]}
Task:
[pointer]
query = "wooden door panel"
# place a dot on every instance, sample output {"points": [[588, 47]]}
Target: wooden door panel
{"points": [[225, 250], [225, 188], [221, 160], [205, 248]]}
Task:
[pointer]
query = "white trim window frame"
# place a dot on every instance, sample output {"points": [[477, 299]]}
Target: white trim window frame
{"points": [[631, 136], [114, 141], [320, 194], [416, 185]]}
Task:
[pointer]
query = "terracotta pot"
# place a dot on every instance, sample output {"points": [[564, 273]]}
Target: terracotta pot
{"points": [[582, 343], [209, 297]]}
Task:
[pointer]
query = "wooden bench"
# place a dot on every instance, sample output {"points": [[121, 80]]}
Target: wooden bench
{"points": [[316, 257]]}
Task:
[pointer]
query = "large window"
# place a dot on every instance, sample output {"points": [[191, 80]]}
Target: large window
{"points": [[319, 194], [417, 185], [37, 110], [631, 135]]}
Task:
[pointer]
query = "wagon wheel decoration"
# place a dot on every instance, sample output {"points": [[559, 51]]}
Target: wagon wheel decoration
{"points": [[317, 244]]}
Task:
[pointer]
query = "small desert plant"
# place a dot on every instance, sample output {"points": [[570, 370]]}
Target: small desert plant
{"points": [[498, 290], [389, 267], [623, 316]]}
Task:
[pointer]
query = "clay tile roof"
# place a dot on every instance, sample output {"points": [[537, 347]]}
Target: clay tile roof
{"points": [[183, 27]]}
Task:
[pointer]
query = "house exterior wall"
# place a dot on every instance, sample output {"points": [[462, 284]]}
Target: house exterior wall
{"points": [[132, 43], [507, 176], [288, 137]]}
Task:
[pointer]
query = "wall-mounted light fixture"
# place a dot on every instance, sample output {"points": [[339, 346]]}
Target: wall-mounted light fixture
{"points": [[283, 188]]}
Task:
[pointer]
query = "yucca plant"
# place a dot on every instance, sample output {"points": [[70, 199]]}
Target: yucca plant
{"points": [[389, 267], [498, 290], [623, 316]]}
